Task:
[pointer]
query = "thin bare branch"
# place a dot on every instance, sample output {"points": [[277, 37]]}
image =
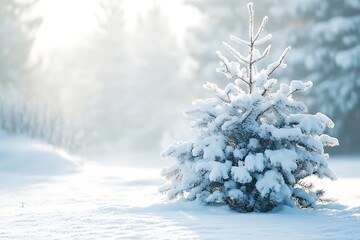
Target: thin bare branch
{"points": [[261, 28], [251, 21], [268, 88], [296, 90], [227, 68], [265, 53], [251, 37], [242, 79], [263, 40], [239, 40], [272, 67], [236, 54], [225, 64]]}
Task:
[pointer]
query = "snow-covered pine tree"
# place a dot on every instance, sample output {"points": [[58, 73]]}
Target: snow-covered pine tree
{"points": [[256, 143], [331, 59]]}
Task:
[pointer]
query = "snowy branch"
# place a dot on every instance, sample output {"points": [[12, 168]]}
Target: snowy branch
{"points": [[280, 63], [263, 40], [265, 53], [236, 54], [251, 21], [261, 28], [228, 71], [239, 40]]}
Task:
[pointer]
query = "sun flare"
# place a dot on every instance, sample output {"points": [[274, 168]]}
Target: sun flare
{"points": [[67, 21]]}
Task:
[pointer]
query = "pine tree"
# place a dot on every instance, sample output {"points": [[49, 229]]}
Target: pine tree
{"points": [[330, 59], [256, 144], [16, 39], [122, 63]]}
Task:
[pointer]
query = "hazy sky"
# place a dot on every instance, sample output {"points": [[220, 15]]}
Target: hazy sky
{"points": [[66, 21]]}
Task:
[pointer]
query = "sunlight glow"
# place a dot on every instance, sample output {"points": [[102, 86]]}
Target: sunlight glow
{"points": [[64, 21], [174, 10], [67, 21]]}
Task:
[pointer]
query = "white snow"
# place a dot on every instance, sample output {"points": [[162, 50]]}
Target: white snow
{"points": [[326, 140], [283, 158], [263, 40], [282, 133], [24, 156], [115, 202], [297, 85], [47, 194], [255, 162], [271, 180], [218, 171], [240, 174]]}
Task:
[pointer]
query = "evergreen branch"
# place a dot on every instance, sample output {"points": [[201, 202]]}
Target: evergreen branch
{"points": [[261, 28], [219, 93], [251, 21], [227, 68], [246, 116], [225, 64], [272, 67], [251, 66], [236, 54], [297, 85], [263, 40], [268, 88], [251, 37], [296, 90], [242, 79], [239, 40], [265, 53], [272, 106], [264, 111]]}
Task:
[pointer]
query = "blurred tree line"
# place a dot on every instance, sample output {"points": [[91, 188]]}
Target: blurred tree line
{"points": [[125, 88], [17, 34], [121, 88]]}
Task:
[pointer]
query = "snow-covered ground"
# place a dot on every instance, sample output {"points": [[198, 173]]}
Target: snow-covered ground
{"points": [[67, 200]]}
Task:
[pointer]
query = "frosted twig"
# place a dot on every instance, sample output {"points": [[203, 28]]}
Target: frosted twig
{"points": [[251, 21], [272, 67], [263, 40], [261, 28], [224, 61], [239, 40], [227, 67], [265, 53], [268, 88], [242, 79], [235, 53]]}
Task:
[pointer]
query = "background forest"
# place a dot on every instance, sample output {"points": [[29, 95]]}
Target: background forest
{"points": [[112, 76], [91, 91]]}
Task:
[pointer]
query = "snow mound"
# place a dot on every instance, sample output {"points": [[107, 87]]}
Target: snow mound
{"points": [[118, 202], [25, 156]]}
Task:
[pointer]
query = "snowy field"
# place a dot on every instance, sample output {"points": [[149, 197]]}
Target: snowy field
{"points": [[46, 194]]}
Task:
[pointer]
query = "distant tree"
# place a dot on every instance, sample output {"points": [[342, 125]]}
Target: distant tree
{"points": [[17, 30], [157, 77], [108, 54], [22, 115], [256, 143], [20, 111], [132, 70], [326, 38]]}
